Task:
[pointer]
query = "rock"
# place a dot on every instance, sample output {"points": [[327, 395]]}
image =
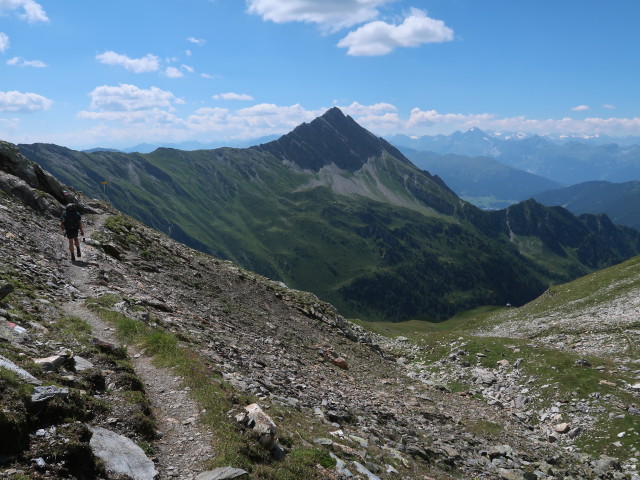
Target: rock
{"points": [[483, 376], [362, 469], [574, 432], [41, 394], [340, 363], [5, 290], [583, 362], [562, 427], [323, 441], [52, 363], [605, 464], [26, 376], [82, 364], [261, 424], [121, 455], [221, 473], [341, 467]]}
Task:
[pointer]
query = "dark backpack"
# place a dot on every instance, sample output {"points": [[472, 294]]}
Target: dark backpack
{"points": [[71, 217]]}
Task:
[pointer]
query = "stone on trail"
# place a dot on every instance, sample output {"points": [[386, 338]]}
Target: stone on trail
{"points": [[120, 455], [221, 473]]}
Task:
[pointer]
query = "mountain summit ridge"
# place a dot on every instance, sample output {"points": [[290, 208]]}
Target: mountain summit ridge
{"points": [[330, 138]]}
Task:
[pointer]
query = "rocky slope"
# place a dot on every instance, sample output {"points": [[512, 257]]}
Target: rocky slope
{"points": [[336, 400]]}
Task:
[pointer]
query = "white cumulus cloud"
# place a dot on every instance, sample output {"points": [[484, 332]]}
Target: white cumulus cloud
{"points": [[33, 11], [4, 42], [330, 14], [148, 63], [125, 97], [580, 108], [608, 106], [357, 108], [381, 38], [14, 101], [232, 96], [21, 62]]}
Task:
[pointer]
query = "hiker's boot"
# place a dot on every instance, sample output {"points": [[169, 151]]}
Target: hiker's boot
{"points": [[73, 257], [79, 254]]}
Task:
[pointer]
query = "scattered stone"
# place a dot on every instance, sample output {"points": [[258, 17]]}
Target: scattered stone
{"points": [[53, 362], [582, 362], [362, 469], [41, 394], [562, 427], [82, 364], [5, 290], [221, 473], [121, 455], [340, 363], [260, 423], [9, 365]]}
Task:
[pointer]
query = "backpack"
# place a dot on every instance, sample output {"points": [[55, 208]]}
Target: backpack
{"points": [[71, 217]]}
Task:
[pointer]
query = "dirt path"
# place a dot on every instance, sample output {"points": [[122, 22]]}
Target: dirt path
{"points": [[183, 445]]}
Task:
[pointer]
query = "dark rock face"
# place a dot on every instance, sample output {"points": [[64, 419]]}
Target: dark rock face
{"points": [[331, 138]]}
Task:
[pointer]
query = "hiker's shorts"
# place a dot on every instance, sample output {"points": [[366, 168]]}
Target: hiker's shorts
{"points": [[71, 233]]}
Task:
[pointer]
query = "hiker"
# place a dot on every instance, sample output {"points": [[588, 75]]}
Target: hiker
{"points": [[71, 223]]}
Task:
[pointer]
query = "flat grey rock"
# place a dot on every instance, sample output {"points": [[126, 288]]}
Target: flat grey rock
{"points": [[121, 455], [221, 473], [22, 373], [41, 394]]}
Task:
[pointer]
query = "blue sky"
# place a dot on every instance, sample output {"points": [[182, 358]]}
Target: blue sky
{"points": [[84, 74]]}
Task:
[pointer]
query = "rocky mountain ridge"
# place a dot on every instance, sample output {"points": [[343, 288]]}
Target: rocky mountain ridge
{"points": [[343, 402], [333, 209]]}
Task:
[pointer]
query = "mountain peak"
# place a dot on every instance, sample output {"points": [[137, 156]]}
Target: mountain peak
{"points": [[333, 138]]}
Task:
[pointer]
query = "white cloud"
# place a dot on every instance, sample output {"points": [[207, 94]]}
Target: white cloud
{"points": [[15, 101], [21, 62], [128, 98], [427, 122], [148, 63], [363, 110], [197, 41], [188, 53], [232, 96], [380, 38], [580, 108], [608, 106], [4, 42], [209, 76], [33, 12], [187, 68], [173, 72], [330, 14]]}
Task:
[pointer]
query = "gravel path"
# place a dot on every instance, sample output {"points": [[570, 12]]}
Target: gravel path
{"points": [[183, 445]]}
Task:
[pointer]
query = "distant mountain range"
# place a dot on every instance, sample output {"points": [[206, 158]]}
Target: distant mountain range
{"points": [[567, 162], [620, 201], [189, 146], [483, 181], [333, 209]]}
